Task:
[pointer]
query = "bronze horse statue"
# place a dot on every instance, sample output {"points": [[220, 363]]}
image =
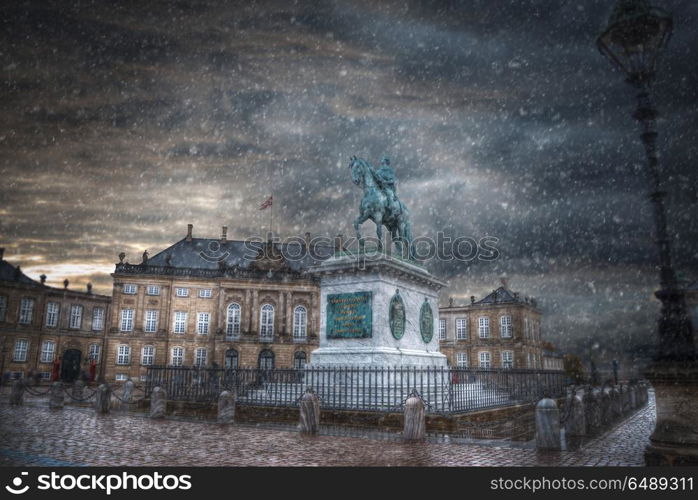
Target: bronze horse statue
{"points": [[382, 206]]}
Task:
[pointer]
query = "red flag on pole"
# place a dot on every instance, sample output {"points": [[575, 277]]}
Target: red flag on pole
{"points": [[267, 203]]}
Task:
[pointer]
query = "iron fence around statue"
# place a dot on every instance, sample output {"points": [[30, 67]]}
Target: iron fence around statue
{"points": [[379, 389]]}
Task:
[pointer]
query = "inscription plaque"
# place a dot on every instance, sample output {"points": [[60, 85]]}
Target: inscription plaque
{"points": [[426, 322], [349, 315]]}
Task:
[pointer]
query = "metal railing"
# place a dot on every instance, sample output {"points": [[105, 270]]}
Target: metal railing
{"points": [[381, 389]]}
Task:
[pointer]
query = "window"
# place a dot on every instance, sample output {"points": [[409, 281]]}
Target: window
{"points": [[123, 355], [48, 348], [121, 377], [180, 322], [182, 292], [461, 328], [153, 290], [177, 356], [205, 293], [148, 355], [442, 329], [3, 307], [507, 359], [76, 317], [299, 360], [202, 324], [529, 363], [527, 328], [151, 321], [201, 355], [21, 347], [462, 359], [485, 361], [266, 360], [94, 353], [231, 359], [300, 323], [232, 328], [98, 319], [130, 289], [45, 375], [484, 327], [126, 320], [266, 323], [505, 327], [52, 309], [26, 311]]}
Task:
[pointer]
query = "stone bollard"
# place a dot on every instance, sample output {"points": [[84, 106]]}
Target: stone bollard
{"points": [[625, 397], [605, 405], [103, 399], [128, 394], [616, 404], [158, 403], [576, 424], [547, 425], [226, 408], [415, 426], [17, 394], [56, 396], [78, 390], [591, 410], [634, 403], [309, 412]]}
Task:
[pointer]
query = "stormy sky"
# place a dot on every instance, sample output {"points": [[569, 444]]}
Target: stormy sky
{"points": [[122, 121]]}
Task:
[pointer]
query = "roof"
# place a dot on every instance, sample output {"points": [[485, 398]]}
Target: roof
{"points": [[8, 272], [501, 296], [212, 254]]}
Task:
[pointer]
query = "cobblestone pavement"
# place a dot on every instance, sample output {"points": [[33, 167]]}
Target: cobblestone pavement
{"points": [[35, 435]]}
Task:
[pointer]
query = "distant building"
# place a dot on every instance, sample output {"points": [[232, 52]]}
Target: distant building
{"points": [[501, 330], [40, 323]]}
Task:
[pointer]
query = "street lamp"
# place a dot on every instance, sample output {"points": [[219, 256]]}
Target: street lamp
{"points": [[635, 36]]}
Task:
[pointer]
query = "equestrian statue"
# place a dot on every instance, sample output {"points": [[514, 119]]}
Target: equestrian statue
{"points": [[381, 204]]}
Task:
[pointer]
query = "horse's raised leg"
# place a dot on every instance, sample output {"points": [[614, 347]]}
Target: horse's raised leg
{"points": [[395, 237], [357, 223], [379, 231]]}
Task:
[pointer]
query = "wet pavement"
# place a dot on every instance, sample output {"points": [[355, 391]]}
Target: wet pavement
{"points": [[35, 435]]}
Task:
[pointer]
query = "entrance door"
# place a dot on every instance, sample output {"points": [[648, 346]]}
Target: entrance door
{"points": [[70, 365]]}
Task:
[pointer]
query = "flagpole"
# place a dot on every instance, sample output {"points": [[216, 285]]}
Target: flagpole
{"points": [[271, 216]]}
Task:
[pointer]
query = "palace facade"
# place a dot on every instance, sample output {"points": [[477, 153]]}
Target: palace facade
{"points": [[214, 302], [40, 324], [501, 330]]}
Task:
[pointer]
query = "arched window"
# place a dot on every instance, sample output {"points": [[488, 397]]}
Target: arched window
{"points": [[300, 323], [266, 322], [266, 360], [231, 359], [299, 360], [233, 322]]}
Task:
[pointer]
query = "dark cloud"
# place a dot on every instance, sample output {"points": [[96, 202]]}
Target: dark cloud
{"points": [[124, 121]]}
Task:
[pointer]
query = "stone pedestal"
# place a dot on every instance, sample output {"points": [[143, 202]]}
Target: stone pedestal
{"points": [[675, 437], [309, 413], [377, 310], [56, 396], [414, 426], [226, 408], [547, 425]]}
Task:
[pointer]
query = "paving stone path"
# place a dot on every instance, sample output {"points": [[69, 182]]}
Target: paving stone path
{"points": [[35, 435]]}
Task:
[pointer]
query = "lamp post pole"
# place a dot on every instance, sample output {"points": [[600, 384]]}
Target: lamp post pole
{"points": [[636, 34]]}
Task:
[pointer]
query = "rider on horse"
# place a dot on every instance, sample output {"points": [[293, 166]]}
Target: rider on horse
{"points": [[386, 180]]}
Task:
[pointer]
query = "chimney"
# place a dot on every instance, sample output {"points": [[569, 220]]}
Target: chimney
{"points": [[2, 253], [43, 279], [224, 234], [190, 229], [89, 288], [472, 299], [503, 281], [339, 242], [66, 283], [450, 302]]}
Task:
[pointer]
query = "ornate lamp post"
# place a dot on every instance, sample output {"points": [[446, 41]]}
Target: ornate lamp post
{"points": [[633, 40]]}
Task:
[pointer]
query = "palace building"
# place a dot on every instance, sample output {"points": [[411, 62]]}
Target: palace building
{"points": [[501, 330], [40, 324], [214, 302]]}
